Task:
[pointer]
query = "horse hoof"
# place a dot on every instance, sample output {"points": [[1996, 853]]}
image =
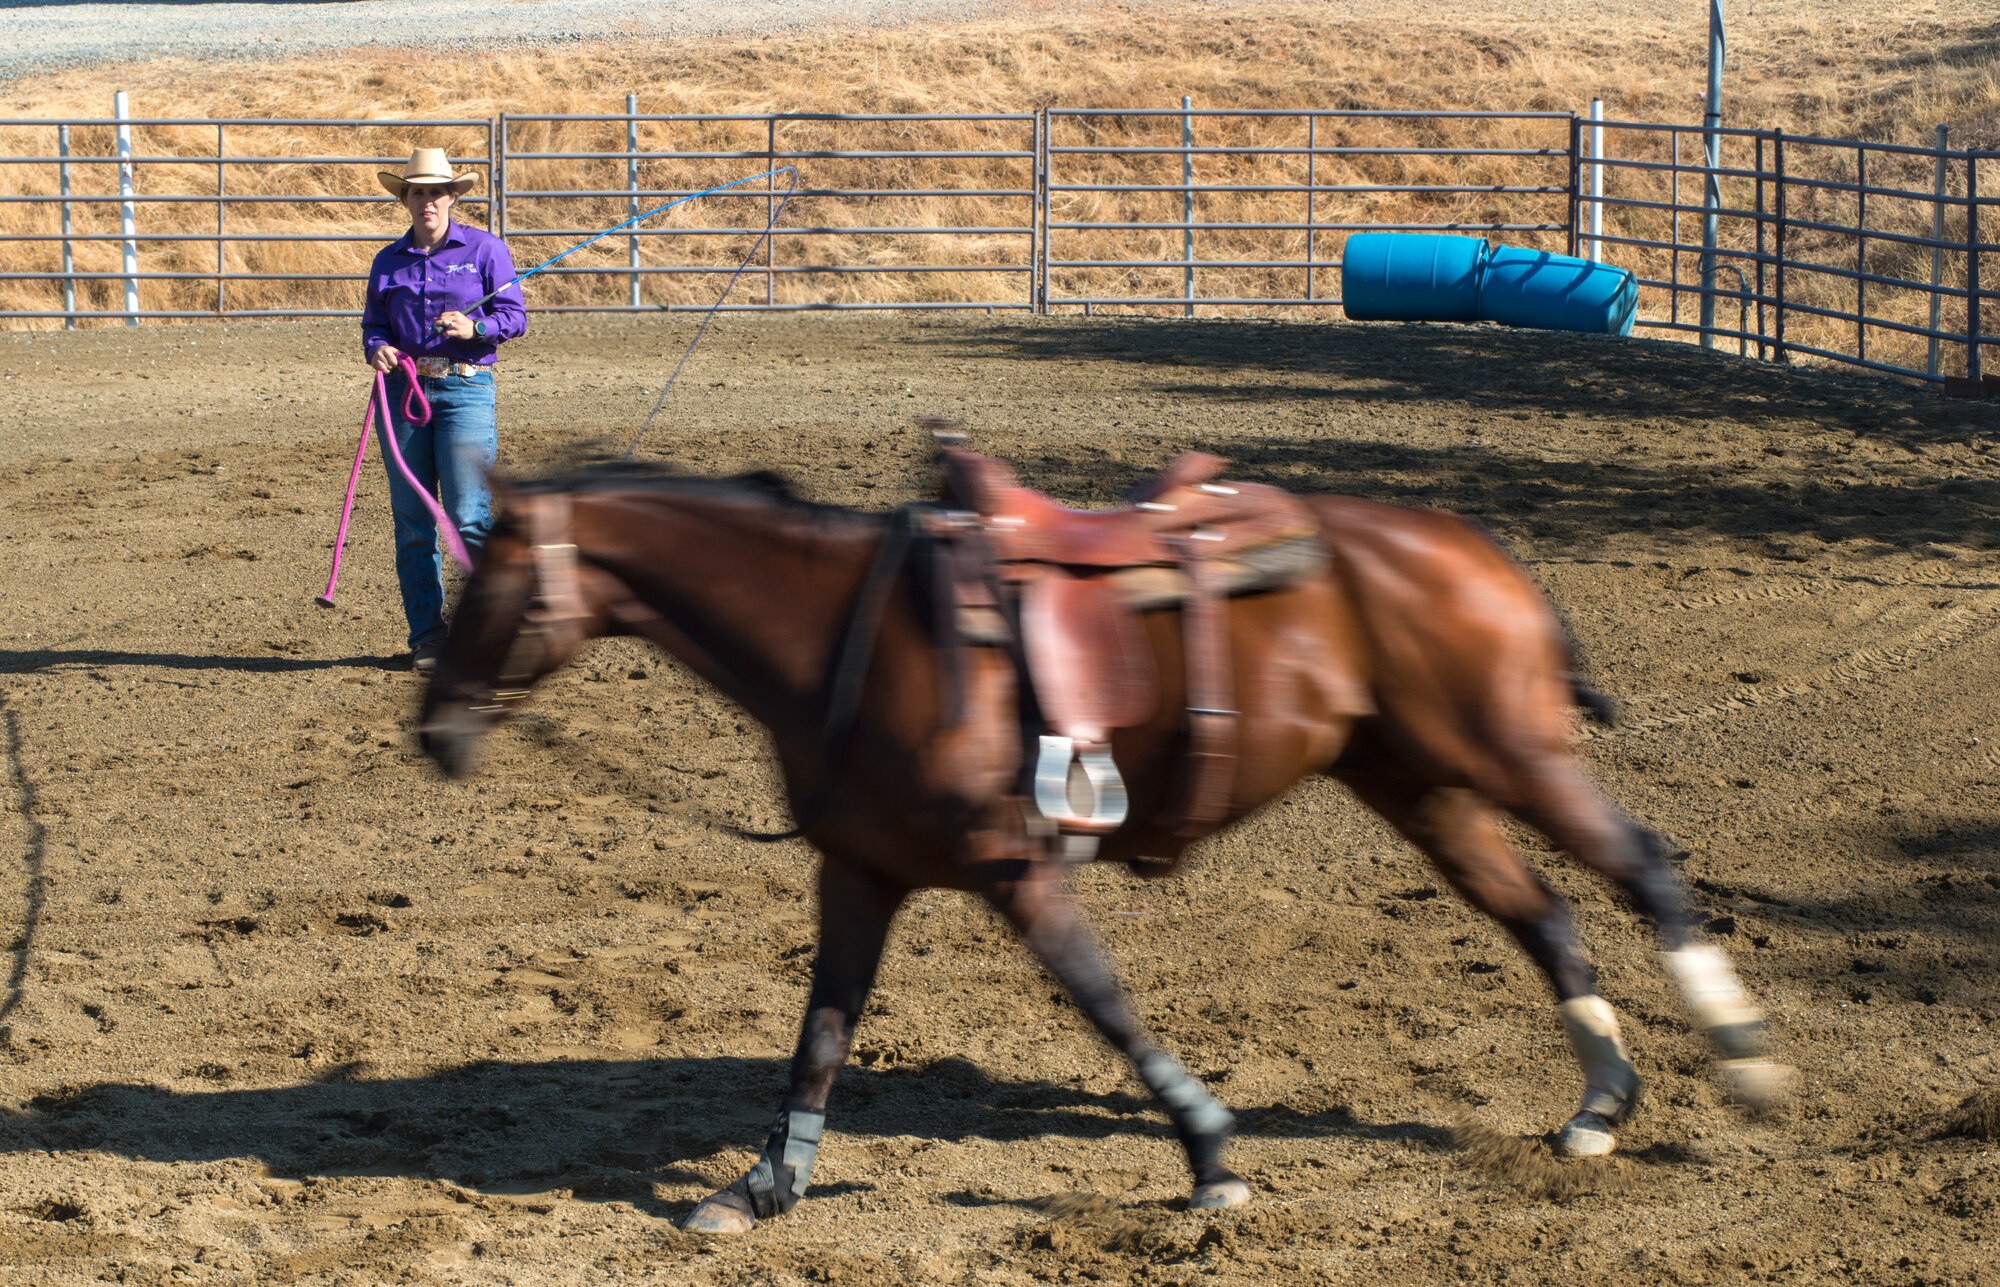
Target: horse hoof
{"points": [[1587, 1134], [1756, 1084], [1219, 1195], [712, 1216]]}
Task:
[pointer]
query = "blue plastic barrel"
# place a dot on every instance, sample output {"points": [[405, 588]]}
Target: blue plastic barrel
{"points": [[1557, 292], [1411, 277]]}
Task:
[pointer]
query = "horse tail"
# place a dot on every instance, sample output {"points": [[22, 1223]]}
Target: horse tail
{"points": [[1597, 706]]}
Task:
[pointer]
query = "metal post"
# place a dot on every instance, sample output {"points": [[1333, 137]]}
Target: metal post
{"points": [[632, 186], [1595, 251], [221, 299], [1972, 330], [771, 212], [125, 223], [1187, 202], [1711, 122], [1674, 296], [1763, 350], [69, 265], [1937, 254], [1860, 252], [1312, 141], [500, 184], [1035, 215], [1573, 184], [492, 178], [1044, 176], [1778, 165]]}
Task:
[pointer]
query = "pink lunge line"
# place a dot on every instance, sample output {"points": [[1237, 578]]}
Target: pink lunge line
{"points": [[346, 508], [419, 414]]}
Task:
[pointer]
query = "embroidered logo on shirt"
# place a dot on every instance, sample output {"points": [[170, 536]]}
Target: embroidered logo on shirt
{"points": [[459, 268]]}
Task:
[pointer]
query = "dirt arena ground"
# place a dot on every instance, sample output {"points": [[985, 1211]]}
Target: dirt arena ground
{"points": [[282, 1006]]}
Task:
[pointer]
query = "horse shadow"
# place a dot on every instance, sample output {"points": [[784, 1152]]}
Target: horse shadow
{"points": [[34, 661], [602, 1130]]}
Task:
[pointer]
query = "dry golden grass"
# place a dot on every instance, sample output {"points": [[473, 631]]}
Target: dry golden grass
{"points": [[1840, 69]]}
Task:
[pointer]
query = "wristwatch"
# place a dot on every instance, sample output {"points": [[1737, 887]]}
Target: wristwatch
{"points": [[479, 330]]}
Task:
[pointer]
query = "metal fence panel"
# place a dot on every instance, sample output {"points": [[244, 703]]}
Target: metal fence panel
{"points": [[142, 209], [894, 211], [1868, 254]]}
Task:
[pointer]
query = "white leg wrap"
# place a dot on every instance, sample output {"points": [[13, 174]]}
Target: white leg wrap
{"points": [[1709, 983], [1609, 1079]]}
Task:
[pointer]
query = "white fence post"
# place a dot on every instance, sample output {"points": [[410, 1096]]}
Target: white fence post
{"points": [[1711, 200], [69, 264], [1595, 252], [131, 263]]}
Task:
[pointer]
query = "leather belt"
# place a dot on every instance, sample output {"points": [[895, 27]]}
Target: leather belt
{"points": [[437, 367]]}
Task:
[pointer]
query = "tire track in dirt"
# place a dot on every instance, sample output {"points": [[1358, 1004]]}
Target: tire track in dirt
{"points": [[1954, 627]]}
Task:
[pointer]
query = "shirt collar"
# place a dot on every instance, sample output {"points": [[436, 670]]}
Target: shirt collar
{"points": [[453, 236]]}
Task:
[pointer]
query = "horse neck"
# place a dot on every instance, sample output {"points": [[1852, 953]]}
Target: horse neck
{"points": [[751, 594]]}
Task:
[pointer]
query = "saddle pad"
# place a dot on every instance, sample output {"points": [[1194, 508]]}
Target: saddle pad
{"points": [[1087, 656]]}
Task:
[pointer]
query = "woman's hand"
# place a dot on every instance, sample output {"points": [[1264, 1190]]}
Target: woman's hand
{"points": [[386, 357], [455, 324]]}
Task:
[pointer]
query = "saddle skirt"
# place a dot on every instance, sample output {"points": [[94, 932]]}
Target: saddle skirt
{"points": [[1066, 588]]}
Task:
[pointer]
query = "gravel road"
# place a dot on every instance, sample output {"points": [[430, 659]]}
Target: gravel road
{"points": [[43, 35]]}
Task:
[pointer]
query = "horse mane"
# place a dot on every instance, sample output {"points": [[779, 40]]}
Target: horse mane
{"points": [[765, 485]]}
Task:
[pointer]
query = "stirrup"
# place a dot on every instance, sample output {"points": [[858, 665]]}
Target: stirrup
{"points": [[1060, 757]]}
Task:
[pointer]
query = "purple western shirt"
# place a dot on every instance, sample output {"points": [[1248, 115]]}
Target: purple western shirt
{"points": [[408, 288]]}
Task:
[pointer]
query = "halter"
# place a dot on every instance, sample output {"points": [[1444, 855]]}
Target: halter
{"points": [[555, 598]]}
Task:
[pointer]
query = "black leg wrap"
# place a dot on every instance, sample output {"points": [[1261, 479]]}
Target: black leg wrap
{"points": [[778, 1180], [1204, 1151], [1202, 1124], [1657, 892], [1551, 943]]}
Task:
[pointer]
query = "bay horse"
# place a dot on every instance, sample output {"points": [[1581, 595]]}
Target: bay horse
{"points": [[1417, 663]]}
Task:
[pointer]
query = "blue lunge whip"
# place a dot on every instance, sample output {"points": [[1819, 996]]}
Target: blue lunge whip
{"points": [[777, 211], [749, 178]]}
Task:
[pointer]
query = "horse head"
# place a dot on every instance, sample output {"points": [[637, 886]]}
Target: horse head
{"points": [[527, 607]]}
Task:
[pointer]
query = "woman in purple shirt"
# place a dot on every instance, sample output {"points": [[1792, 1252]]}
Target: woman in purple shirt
{"points": [[422, 292]]}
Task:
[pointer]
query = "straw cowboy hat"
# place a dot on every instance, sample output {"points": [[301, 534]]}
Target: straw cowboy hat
{"points": [[429, 166]]}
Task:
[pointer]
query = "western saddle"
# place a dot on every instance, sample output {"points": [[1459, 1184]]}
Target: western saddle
{"points": [[1064, 589]]}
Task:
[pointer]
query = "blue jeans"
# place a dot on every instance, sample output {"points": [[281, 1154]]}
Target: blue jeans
{"points": [[450, 457]]}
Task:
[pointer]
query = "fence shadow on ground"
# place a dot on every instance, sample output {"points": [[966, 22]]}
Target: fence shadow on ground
{"points": [[1362, 366], [1573, 503], [1501, 477], [605, 1130]]}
